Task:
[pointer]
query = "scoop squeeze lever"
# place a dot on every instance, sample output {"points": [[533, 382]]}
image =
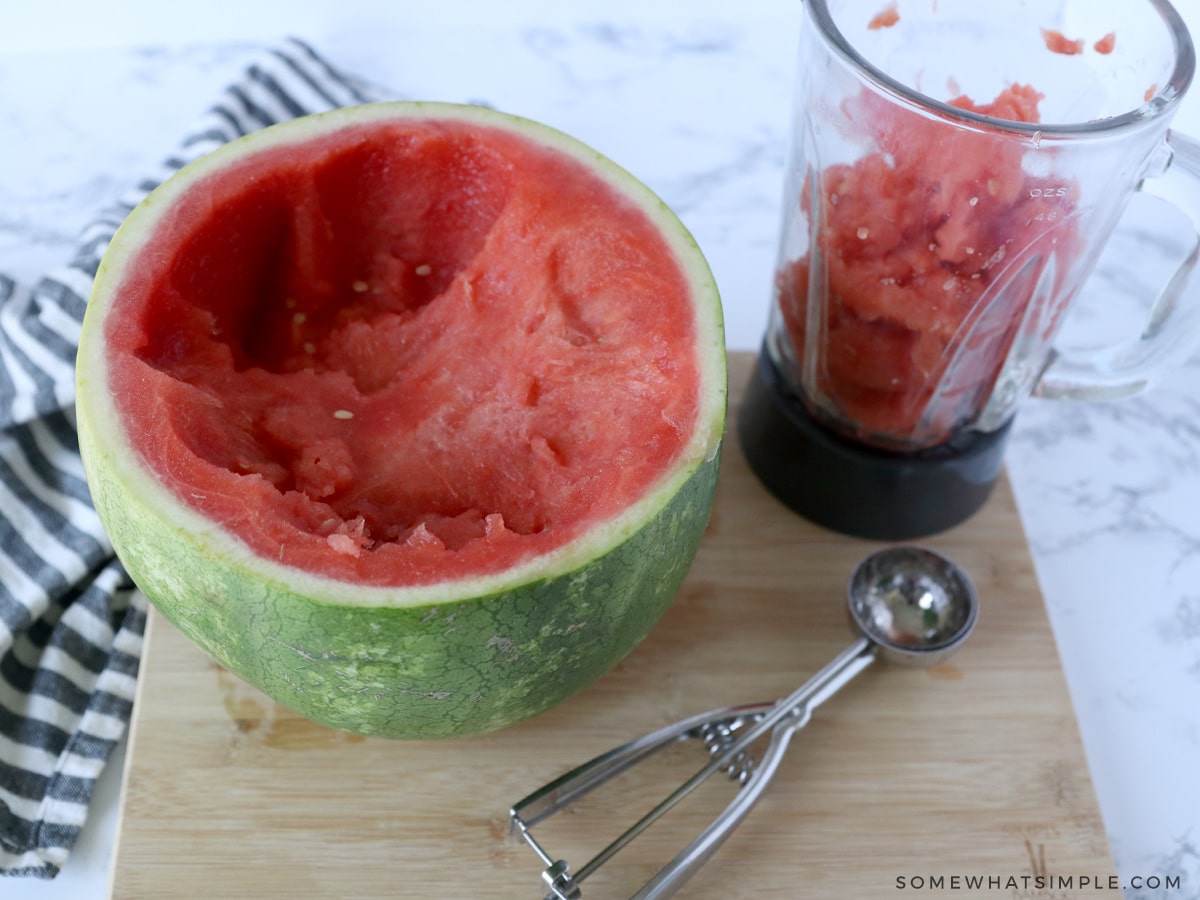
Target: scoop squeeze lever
{"points": [[910, 605]]}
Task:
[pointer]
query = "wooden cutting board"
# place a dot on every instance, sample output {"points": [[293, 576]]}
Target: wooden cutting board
{"points": [[973, 768]]}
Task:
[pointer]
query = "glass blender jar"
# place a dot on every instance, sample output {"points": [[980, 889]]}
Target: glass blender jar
{"points": [[955, 171]]}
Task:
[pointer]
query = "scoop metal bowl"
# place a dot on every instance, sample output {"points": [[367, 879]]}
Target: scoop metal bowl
{"points": [[909, 605], [915, 605]]}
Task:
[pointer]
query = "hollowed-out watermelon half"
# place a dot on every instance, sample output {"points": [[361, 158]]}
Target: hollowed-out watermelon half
{"points": [[409, 414]]}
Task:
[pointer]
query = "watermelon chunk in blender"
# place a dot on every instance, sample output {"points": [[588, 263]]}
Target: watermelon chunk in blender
{"points": [[934, 254]]}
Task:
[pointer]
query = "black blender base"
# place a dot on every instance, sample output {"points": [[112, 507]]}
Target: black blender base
{"points": [[857, 490]]}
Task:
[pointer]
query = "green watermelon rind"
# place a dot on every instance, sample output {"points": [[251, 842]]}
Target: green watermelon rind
{"points": [[461, 656], [438, 670]]}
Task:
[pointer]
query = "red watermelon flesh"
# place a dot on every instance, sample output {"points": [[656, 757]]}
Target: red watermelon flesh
{"points": [[406, 352]]}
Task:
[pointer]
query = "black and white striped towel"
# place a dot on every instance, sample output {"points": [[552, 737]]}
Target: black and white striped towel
{"points": [[70, 621]]}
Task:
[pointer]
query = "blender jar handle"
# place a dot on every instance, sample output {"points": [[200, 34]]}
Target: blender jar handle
{"points": [[1170, 332]]}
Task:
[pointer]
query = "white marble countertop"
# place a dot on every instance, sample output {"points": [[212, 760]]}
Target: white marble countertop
{"points": [[696, 106]]}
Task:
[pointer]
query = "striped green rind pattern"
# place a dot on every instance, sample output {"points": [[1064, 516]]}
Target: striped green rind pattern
{"points": [[417, 671]]}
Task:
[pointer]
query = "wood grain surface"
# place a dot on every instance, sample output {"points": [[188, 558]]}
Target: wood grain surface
{"points": [[973, 768]]}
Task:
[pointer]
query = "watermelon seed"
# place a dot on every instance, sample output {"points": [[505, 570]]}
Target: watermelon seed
{"points": [[360, 287], [343, 414], [423, 270]]}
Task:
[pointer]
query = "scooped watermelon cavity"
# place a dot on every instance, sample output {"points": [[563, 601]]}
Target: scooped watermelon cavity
{"points": [[431, 393]]}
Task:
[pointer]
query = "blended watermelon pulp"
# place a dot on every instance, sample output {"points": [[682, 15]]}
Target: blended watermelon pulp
{"points": [[919, 239], [407, 352]]}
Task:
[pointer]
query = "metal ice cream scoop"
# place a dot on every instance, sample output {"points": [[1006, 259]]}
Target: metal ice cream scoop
{"points": [[910, 605]]}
